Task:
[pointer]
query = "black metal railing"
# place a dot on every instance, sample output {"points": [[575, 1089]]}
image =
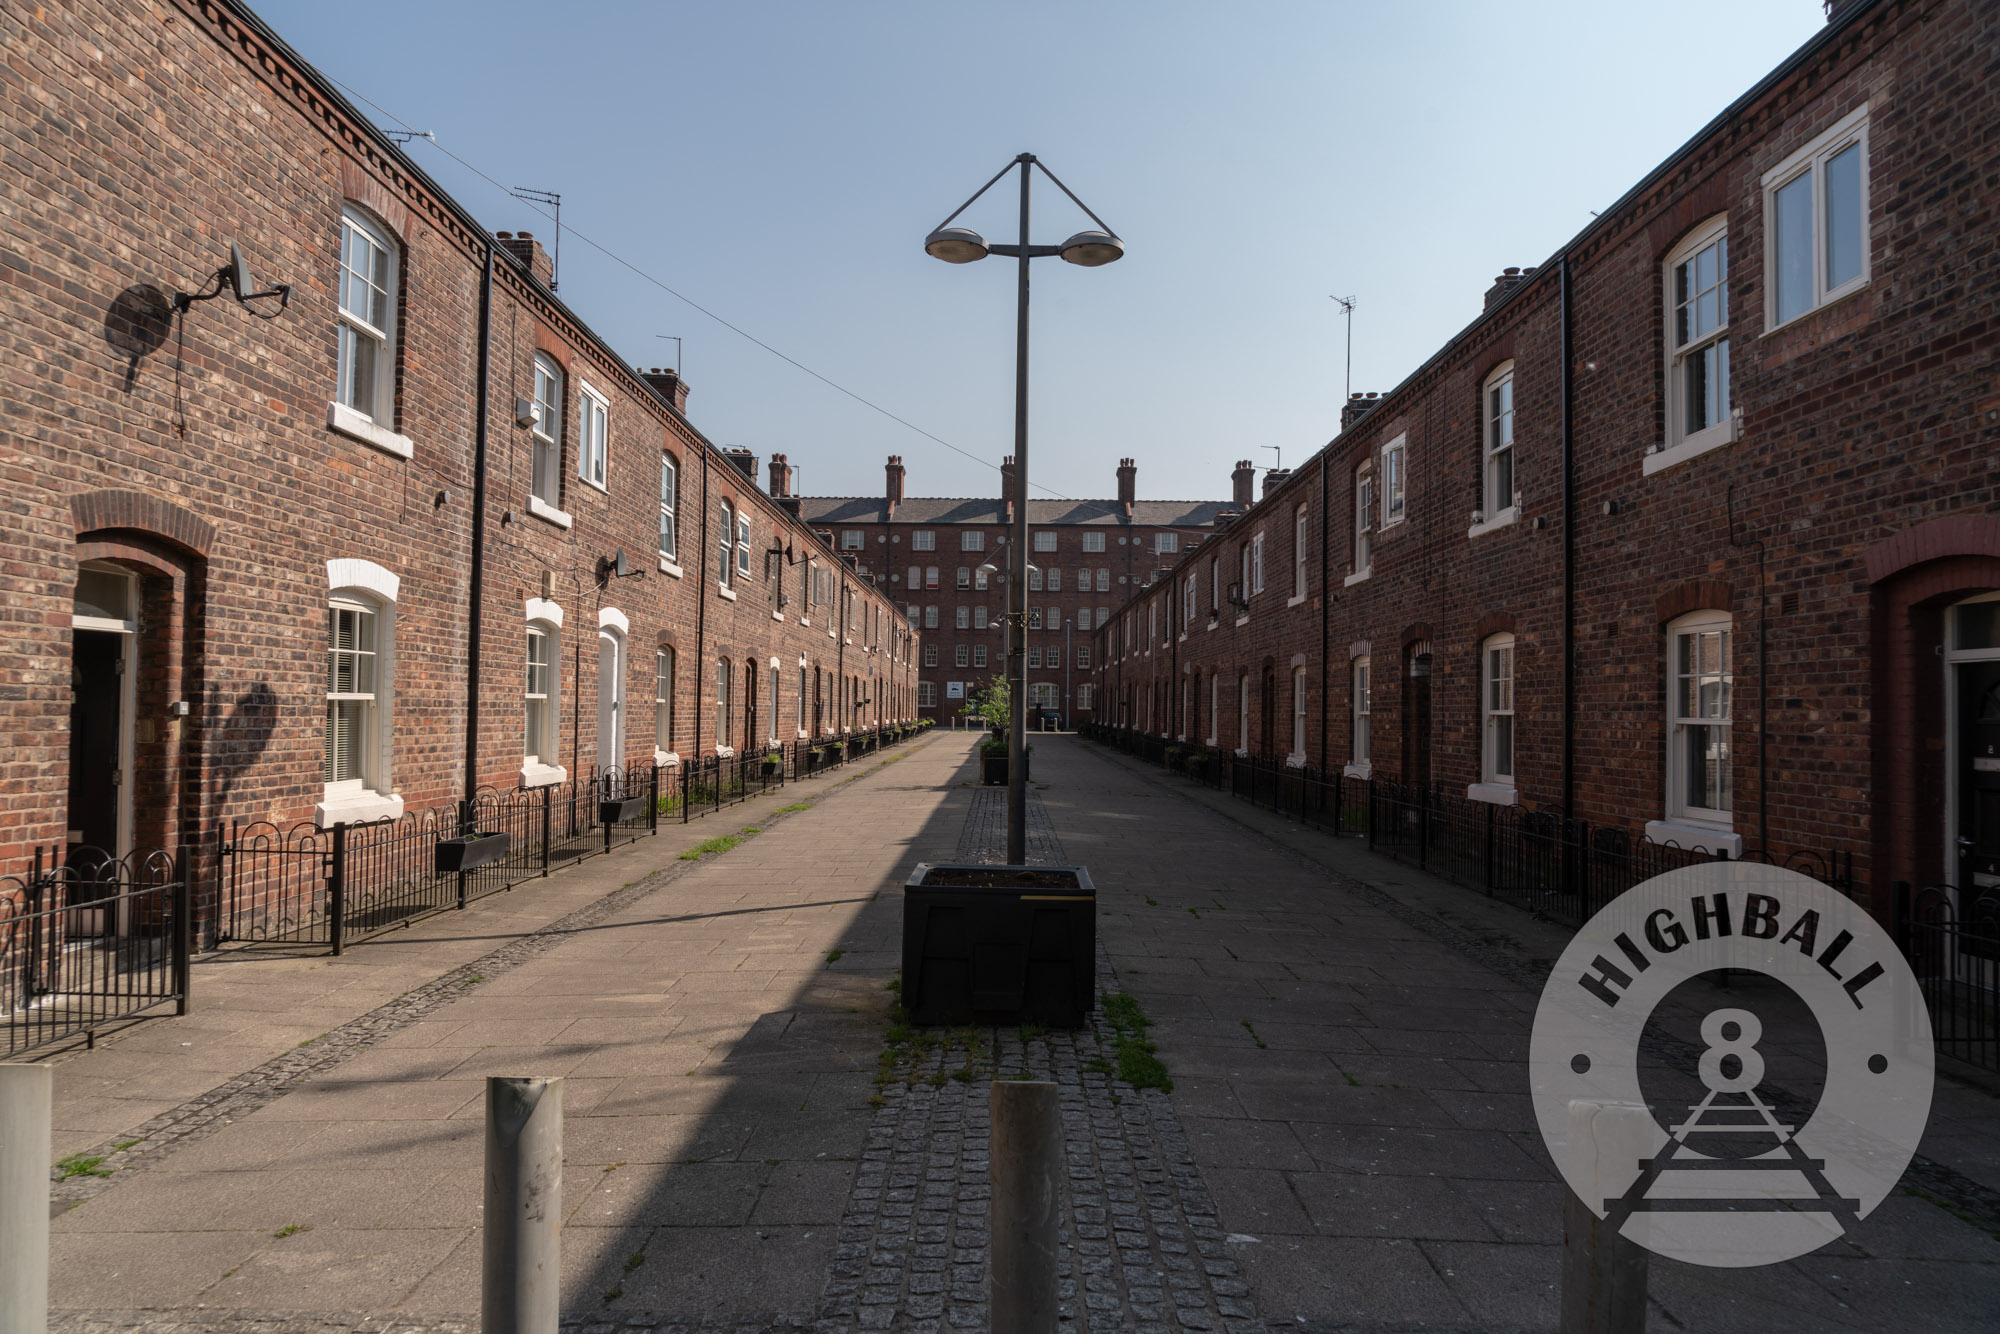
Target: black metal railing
{"points": [[86, 939], [1951, 936], [303, 885], [1564, 869]]}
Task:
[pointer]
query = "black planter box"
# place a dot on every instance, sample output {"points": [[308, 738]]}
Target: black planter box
{"points": [[770, 767], [993, 768], [999, 945], [617, 810], [472, 851]]}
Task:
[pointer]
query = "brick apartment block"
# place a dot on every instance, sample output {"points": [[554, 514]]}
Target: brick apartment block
{"points": [[1582, 572], [1087, 557], [229, 526]]}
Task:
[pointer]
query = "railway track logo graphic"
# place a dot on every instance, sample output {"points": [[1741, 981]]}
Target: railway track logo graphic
{"points": [[1732, 1064]]}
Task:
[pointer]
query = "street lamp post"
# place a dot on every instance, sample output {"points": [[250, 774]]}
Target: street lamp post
{"points": [[962, 245], [1069, 660]]}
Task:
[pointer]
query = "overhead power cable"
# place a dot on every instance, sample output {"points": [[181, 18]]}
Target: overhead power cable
{"points": [[737, 329]]}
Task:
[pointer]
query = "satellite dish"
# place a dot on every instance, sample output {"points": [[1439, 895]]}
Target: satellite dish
{"points": [[239, 272]]}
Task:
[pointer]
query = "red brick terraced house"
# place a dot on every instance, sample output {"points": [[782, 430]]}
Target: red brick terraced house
{"points": [[944, 560], [405, 530], [1694, 533]]}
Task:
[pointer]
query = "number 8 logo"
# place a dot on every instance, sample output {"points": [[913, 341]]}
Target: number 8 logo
{"points": [[1724, 1045]]}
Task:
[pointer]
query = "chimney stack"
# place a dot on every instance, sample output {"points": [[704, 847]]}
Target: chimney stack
{"points": [[1128, 484], [1358, 406], [669, 385], [524, 247], [894, 493], [745, 461], [781, 477], [1509, 279], [1245, 478], [1274, 478]]}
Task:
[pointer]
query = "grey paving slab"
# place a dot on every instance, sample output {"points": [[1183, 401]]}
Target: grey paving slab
{"points": [[353, 1184], [1401, 1183]]}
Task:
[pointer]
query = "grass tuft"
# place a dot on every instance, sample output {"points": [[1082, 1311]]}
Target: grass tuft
{"points": [[833, 956], [82, 1165], [709, 847], [1138, 1062], [1253, 1034], [291, 1229], [795, 806]]}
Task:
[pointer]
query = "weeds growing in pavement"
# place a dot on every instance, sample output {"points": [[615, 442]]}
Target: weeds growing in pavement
{"points": [[1138, 1061], [722, 843], [795, 806], [1253, 1034], [82, 1165]]}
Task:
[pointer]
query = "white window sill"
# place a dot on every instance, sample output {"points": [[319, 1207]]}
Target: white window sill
{"points": [[1387, 524], [726, 752], [1295, 760], [365, 429], [666, 759], [806, 736], [541, 509], [1244, 619], [598, 486], [1715, 437], [542, 775], [804, 624], [1352, 579], [726, 591], [1242, 754], [355, 808], [1503, 519], [667, 567], [1497, 794], [1702, 838], [1361, 771], [1300, 598], [778, 616]]}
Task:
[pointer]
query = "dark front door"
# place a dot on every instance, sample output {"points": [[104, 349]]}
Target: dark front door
{"points": [[95, 732], [1977, 838], [1270, 718], [1418, 733]]}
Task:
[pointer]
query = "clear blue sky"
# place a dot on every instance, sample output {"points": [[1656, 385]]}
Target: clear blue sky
{"points": [[781, 163]]}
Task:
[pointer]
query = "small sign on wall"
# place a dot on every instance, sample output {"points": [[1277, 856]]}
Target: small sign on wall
{"points": [[954, 690]]}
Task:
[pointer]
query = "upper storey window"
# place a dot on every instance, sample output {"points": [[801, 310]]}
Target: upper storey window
{"points": [[593, 432], [367, 355], [547, 430], [1816, 222], [1698, 290], [1498, 472]]}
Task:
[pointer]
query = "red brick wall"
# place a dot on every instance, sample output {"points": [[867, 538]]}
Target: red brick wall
{"points": [[1862, 420], [195, 449]]}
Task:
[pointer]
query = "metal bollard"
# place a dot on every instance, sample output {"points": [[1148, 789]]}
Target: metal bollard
{"points": [[26, 1099], [520, 1287], [1025, 1171], [1604, 1274]]}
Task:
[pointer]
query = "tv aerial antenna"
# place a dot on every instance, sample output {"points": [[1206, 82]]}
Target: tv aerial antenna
{"points": [[1346, 304], [554, 201]]}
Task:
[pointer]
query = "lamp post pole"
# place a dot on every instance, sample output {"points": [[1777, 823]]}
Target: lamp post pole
{"points": [[1088, 249], [1017, 568], [1069, 660]]}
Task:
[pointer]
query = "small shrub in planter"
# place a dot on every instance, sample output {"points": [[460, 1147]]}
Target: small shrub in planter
{"points": [[771, 763]]}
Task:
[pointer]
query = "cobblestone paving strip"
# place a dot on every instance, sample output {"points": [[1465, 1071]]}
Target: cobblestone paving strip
{"points": [[197, 1118], [1142, 1248], [293, 1322]]}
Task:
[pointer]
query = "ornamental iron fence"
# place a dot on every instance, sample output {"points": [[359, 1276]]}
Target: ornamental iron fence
{"points": [[304, 885], [1951, 938], [86, 939], [1562, 869]]}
